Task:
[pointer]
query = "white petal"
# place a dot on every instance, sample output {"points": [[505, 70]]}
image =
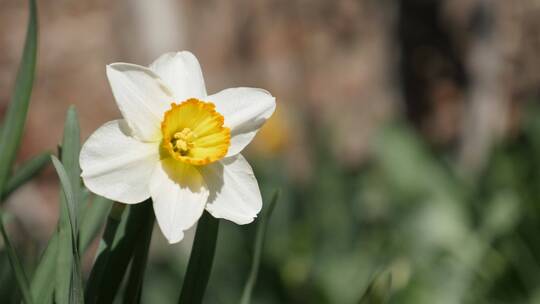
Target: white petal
{"points": [[141, 97], [179, 194], [182, 72], [245, 111], [234, 192], [116, 165]]}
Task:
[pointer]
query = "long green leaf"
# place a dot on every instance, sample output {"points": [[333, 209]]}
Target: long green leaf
{"points": [[93, 220], [115, 220], [200, 260], [13, 126], [16, 265], [133, 291], [26, 172], [43, 281], [73, 278], [66, 275], [115, 253], [44, 278], [262, 226], [71, 146], [8, 286]]}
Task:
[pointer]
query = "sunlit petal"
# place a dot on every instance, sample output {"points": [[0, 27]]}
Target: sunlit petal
{"points": [[245, 111], [117, 166]]}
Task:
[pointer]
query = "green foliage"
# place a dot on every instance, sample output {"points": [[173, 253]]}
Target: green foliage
{"points": [[68, 276], [378, 290], [120, 240], [26, 172], [16, 266], [13, 125], [200, 261], [134, 286], [262, 226], [44, 278], [93, 220], [442, 236], [68, 271]]}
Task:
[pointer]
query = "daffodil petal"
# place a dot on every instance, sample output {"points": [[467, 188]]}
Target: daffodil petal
{"points": [[141, 96], [245, 111], [234, 192], [182, 72], [179, 195], [116, 165]]}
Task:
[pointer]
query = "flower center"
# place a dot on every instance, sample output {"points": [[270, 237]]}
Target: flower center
{"points": [[193, 133], [182, 141]]}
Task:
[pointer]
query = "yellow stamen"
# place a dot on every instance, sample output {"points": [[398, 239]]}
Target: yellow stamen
{"points": [[182, 141], [193, 133]]}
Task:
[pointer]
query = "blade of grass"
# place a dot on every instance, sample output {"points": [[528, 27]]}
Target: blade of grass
{"points": [[117, 251], [94, 218], [133, 291], [16, 265], [71, 278], [13, 126], [26, 172], [200, 260], [262, 226]]}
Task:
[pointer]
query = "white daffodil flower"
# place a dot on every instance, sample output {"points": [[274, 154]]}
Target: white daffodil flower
{"points": [[177, 144]]}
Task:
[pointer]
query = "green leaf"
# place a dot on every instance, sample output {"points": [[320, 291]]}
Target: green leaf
{"points": [[71, 276], [68, 277], [378, 290], [43, 281], [16, 265], [262, 226], [116, 250], [115, 220], [200, 260], [71, 146], [133, 291], [14, 121], [26, 172], [94, 218], [44, 278]]}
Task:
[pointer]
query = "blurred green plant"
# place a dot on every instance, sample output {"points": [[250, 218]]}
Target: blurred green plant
{"points": [[262, 227], [15, 118], [378, 291], [16, 265], [10, 137]]}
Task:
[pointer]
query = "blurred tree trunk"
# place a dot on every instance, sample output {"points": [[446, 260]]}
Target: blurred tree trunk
{"points": [[453, 75], [430, 62], [486, 113], [147, 29]]}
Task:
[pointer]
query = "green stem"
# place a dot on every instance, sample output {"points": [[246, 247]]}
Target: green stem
{"points": [[112, 263], [134, 286], [104, 253], [262, 227], [200, 261]]}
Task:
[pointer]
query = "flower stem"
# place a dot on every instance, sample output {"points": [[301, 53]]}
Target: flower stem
{"points": [[200, 261]]}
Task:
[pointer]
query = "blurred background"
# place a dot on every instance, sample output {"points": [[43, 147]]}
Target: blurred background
{"points": [[406, 138]]}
